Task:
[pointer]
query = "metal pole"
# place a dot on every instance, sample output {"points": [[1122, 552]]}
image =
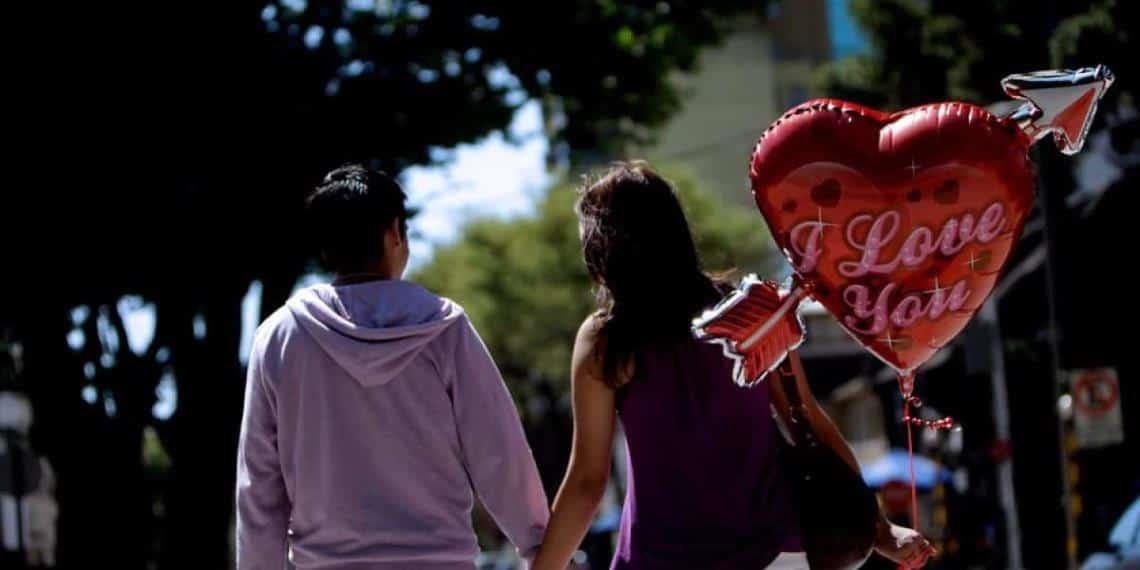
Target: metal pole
{"points": [[1058, 378], [1006, 492], [18, 488]]}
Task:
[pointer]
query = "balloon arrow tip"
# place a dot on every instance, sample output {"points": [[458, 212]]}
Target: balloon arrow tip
{"points": [[1061, 102]]}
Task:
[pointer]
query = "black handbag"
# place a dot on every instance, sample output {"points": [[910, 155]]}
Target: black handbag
{"points": [[838, 513]]}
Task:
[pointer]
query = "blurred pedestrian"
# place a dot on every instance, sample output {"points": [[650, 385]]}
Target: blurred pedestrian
{"points": [[28, 507]]}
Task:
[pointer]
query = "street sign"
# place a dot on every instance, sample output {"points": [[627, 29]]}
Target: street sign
{"points": [[1097, 419]]}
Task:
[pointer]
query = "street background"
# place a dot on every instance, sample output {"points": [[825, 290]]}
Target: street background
{"points": [[152, 218]]}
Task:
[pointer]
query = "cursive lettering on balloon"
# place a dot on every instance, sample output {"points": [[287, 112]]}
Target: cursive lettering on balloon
{"points": [[871, 312], [805, 242], [879, 312], [920, 244]]}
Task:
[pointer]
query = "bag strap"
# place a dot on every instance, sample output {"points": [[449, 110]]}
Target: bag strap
{"points": [[785, 383]]}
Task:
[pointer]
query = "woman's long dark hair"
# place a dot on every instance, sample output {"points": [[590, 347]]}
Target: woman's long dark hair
{"points": [[640, 253]]}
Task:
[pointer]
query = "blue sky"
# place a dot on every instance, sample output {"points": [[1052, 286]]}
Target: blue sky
{"points": [[847, 38], [500, 175]]}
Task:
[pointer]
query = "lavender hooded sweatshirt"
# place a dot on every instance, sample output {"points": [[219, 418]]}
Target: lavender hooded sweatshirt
{"points": [[371, 413]]}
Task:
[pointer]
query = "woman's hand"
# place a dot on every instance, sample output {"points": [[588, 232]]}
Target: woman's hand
{"points": [[902, 545]]}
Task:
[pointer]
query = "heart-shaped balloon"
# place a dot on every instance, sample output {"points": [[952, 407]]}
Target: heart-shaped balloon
{"points": [[899, 224]]}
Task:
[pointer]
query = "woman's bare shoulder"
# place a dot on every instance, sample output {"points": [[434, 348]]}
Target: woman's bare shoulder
{"points": [[589, 351], [588, 343], [591, 328]]}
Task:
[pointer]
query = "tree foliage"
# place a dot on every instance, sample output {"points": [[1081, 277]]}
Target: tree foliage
{"points": [[168, 147], [926, 51]]}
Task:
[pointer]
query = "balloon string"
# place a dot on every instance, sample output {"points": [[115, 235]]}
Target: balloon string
{"points": [[909, 399], [910, 458]]}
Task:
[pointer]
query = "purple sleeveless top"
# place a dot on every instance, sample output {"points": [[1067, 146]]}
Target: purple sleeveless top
{"points": [[705, 487]]}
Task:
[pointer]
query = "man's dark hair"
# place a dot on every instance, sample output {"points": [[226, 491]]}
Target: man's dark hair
{"points": [[349, 213]]}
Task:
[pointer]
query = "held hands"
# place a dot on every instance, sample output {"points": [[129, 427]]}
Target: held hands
{"points": [[904, 546]]}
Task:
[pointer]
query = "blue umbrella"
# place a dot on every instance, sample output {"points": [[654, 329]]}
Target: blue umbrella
{"points": [[1126, 533], [894, 465]]}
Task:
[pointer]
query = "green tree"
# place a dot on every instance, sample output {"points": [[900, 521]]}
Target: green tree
{"points": [[168, 148], [525, 285], [1099, 36], [926, 51]]}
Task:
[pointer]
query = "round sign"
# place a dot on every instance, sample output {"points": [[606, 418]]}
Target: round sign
{"points": [[1095, 392]]}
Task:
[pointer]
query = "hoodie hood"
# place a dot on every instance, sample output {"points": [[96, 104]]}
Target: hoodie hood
{"points": [[373, 330]]}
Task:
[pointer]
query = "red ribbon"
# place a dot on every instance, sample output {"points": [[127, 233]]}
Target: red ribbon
{"points": [[910, 400]]}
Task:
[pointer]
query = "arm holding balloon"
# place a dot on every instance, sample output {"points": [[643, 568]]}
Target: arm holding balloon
{"points": [[897, 543], [759, 328]]}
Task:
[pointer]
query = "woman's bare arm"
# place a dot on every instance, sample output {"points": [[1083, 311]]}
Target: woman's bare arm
{"points": [[589, 469]]}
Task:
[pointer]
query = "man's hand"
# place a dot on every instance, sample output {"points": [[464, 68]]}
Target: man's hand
{"points": [[902, 545]]}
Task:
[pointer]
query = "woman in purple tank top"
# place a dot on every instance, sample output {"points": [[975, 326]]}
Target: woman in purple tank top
{"points": [[706, 488]]}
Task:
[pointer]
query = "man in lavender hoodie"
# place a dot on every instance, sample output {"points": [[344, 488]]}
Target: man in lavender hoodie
{"points": [[373, 412]]}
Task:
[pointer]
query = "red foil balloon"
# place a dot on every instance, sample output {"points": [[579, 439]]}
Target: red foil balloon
{"points": [[899, 224]]}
